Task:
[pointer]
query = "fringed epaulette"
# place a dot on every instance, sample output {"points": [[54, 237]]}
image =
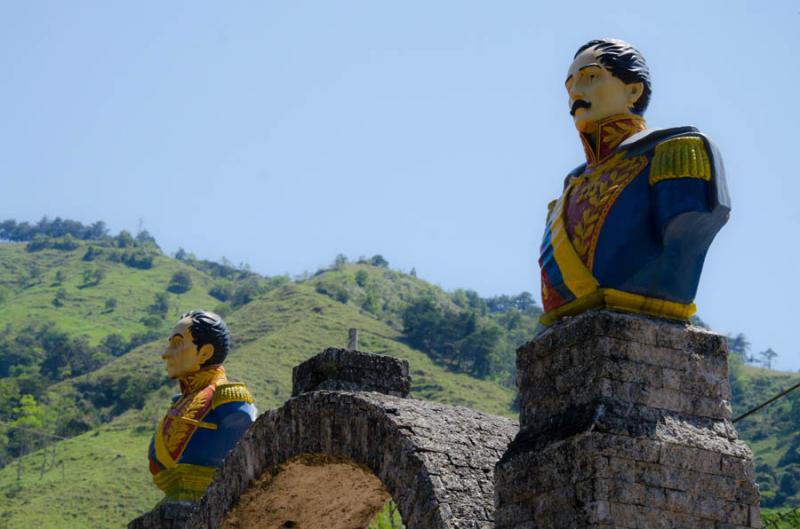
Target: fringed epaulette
{"points": [[234, 392], [682, 157]]}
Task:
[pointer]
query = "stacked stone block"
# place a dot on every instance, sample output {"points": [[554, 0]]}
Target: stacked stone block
{"points": [[625, 423], [347, 370]]}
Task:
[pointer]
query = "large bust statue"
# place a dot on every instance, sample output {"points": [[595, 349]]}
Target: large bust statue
{"points": [[632, 227], [206, 418]]}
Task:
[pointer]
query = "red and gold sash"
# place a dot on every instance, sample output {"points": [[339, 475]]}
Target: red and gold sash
{"points": [[187, 414]]}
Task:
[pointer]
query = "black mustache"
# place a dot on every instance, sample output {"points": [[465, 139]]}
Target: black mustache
{"points": [[579, 103]]}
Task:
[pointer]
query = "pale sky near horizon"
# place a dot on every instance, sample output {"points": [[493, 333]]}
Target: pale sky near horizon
{"points": [[434, 133]]}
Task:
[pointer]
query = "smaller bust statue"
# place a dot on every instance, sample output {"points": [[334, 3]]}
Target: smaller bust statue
{"points": [[208, 416]]}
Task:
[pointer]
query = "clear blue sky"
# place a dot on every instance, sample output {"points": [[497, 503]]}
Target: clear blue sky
{"points": [[283, 133]]}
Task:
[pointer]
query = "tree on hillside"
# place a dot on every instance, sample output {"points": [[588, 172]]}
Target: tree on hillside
{"points": [[144, 237], [469, 299], [92, 277], [372, 302], [246, 291], [339, 261], [740, 346], [523, 302], [379, 261], [21, 232], [91, 253], [460, 339], [180, 282], [767, 357], [160, 305], [111, 304], [477, 349], [125, 239], [60, 298], [221, 290], [66, 357], [114, 344], [26, 427]]}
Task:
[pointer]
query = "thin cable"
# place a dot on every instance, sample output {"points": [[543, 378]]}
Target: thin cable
{"points": [[770, 401]]}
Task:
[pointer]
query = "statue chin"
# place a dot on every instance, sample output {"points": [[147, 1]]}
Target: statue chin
{"points": [[584, 125]]}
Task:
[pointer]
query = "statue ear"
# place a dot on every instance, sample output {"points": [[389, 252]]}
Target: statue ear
{"points": [[204, 353], [635, 91]]}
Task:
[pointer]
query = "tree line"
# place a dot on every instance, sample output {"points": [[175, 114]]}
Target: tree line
{"points": [[11, 230]]}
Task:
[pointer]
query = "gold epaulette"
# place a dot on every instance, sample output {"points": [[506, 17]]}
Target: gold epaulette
{"points": [[684, 157], [235, 392]]}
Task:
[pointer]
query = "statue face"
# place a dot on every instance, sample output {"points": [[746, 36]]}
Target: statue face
{"points": [[595, 94], [182, 357]]}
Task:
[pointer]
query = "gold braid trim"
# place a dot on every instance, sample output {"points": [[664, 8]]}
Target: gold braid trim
{"points": [[195, 422], [684, 157], [184, 482], [609, 298], [226, 393]]}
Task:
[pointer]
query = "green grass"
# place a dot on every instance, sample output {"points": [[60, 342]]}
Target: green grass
{"points": [[29, 298], [98, 483]]}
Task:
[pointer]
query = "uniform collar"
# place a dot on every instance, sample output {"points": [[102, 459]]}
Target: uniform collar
{"points": [[198, 380], [610, 133]]}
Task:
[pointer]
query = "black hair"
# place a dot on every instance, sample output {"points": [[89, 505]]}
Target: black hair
{"points": [[625, 63], [209, 328]]}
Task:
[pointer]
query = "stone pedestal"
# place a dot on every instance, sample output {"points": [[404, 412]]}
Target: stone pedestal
{"points": [[348, 370], [625, 423]]}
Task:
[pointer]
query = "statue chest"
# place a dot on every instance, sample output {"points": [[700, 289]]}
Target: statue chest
{"points": [[591, 195], [183, 418]]}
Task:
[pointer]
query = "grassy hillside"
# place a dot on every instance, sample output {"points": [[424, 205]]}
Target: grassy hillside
{"points": [[29, 285], [380, 291], [772, 433], [272, 334], [84, 433]]}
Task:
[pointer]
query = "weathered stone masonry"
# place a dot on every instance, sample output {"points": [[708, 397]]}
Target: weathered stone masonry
{"points": [[625, 422]]}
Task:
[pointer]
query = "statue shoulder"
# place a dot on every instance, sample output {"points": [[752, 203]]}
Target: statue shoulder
{"points": [[231, 392], [684, 156], [682, 153], [678, 152]]}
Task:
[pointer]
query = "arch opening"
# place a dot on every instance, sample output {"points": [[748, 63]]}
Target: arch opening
{"points": [[311, 491]]}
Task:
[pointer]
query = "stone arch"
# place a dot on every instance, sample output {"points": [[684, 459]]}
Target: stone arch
{"points": [[435, 461]]}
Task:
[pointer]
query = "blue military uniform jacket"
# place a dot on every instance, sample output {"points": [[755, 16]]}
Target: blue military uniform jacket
{"points": [[632, 228], [204, 423]]}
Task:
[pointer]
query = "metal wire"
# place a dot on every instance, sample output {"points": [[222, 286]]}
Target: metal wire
{"points": [[770, 401]]}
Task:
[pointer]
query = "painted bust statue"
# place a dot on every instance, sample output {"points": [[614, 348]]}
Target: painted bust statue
{"points": [[631, 230], [208, 416]]}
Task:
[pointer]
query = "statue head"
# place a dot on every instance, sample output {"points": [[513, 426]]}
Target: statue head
{"points": [[607, 77], [199, 339]]}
